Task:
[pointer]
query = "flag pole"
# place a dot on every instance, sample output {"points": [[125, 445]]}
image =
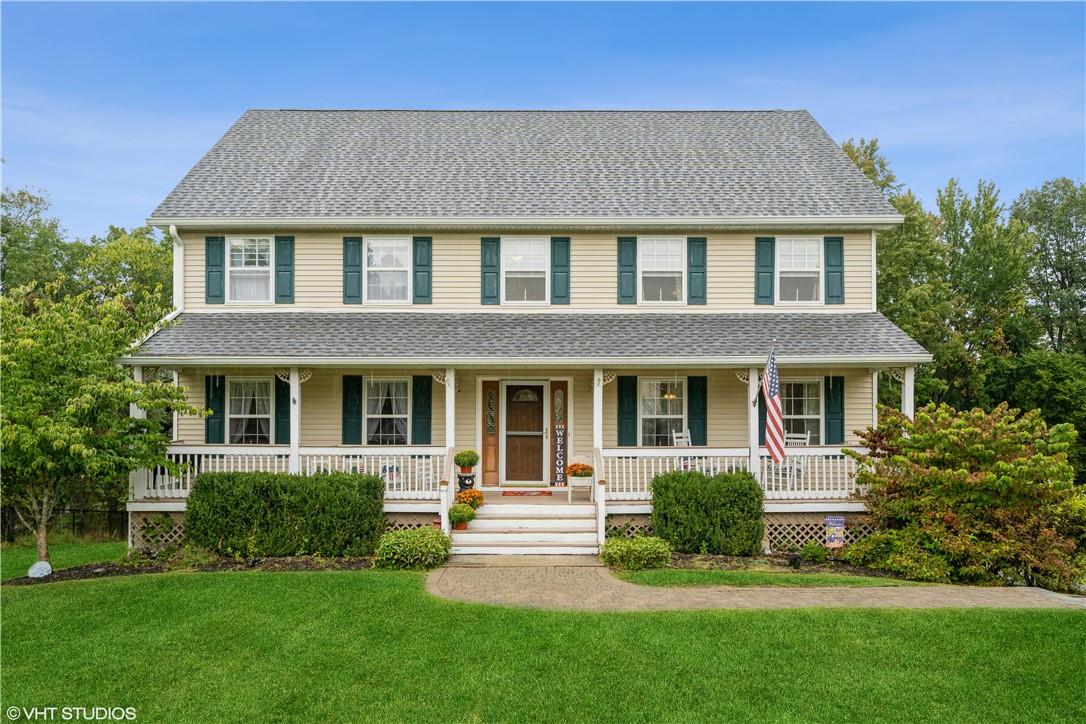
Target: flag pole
{"points": [[772, 349]]}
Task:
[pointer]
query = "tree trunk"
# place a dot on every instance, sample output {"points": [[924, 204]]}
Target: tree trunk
{"points": [[43, 541]]}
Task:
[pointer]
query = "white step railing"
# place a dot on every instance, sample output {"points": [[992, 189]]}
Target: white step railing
{"points": [[409, 472], [628, 471], [821, 473]]}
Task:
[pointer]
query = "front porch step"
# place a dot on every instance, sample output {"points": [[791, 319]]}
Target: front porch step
{"points": [[543, 510], [525, 535], [502, 522], [525, 549]]}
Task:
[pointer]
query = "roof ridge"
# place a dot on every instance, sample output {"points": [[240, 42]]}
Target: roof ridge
{"points": [[528, 110]]}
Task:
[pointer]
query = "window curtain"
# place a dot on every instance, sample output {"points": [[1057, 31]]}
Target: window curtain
{"points": [[386, 412]]}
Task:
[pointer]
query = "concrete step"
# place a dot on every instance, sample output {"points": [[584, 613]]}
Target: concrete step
{"points": [[516, 522], [521, 510], [522, 549], [563, 537]]}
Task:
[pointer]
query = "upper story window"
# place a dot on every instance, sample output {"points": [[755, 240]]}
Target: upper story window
{"points": [[663, 411], [249, 411], [801, 410], [386, 412], [525, 266], [249, 271], [799, 270], [388, 269], [661, 269]]}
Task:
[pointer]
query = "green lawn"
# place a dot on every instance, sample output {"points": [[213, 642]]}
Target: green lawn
{"points": [[705, 577], [16, 559], [373, 646]]}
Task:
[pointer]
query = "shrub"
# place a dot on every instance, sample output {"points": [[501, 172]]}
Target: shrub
{"points": [[414, 549], [814, 552], [698, 514], [634, 554], [973, 496], [466, 458], [274, 514], [461, 513], [471, 497]]}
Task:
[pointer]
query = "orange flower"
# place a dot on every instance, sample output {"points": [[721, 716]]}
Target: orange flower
{"points": [[472, 497], [579, 470]]}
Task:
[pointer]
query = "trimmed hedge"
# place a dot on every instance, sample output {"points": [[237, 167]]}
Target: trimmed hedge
{"points": [[721, 515], [275, 514], [413, 549], [637, 553]]}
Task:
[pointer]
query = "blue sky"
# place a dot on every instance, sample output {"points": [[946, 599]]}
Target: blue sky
{"points": [[106, 106]]}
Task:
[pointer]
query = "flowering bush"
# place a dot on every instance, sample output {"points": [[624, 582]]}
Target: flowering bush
{"points": [[579, 470], [972, 496], [472, 497]]}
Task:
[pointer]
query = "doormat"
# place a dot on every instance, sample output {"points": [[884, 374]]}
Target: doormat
{"points": [[526, 492]]}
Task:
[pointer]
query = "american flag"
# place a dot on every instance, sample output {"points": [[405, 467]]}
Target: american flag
{"points": [[774, 426]]}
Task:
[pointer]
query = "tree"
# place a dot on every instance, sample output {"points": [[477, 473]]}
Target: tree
{"points": [[1055, 217], [34, 249], [134, 264], [64, 423]]}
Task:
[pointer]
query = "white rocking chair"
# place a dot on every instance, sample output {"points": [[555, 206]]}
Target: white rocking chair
{"points": [[682, 439], [795, 466]]}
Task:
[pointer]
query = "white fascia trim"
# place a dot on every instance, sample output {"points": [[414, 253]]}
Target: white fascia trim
{"points": [[821, 506], [610, 362], [757, 222]]}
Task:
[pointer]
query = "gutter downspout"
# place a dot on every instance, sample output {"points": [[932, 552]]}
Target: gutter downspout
{"points": [[178, 271]]}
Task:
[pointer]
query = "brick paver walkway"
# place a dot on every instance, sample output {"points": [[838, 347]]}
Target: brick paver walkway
{"points": [[580, 582]]}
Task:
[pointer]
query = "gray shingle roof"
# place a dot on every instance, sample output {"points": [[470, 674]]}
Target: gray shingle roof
{"points": [[437, 336], [467, 164]]}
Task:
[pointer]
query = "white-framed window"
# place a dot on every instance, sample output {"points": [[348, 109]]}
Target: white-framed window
{"points": [[388, 269], [661, 266], [249, 264], [525, 270], [250, 405], [799, 270], [661, 411], [387, 404], [801, 408]]}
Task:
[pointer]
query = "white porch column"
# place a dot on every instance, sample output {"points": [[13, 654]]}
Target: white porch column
{"points": [[908, 392], [137, 479], [597, 410], [450, 407], [295, 421], [133, 410], [874, 397], [752, 424]]}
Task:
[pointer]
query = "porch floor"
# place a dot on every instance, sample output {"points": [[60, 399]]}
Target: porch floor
{"points": [[556, 497]]}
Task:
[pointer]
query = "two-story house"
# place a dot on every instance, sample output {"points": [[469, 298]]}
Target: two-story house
{"points": [[375, 290]]}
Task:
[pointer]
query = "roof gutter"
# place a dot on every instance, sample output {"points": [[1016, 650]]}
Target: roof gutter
{"points": [[549, 222], [737, 361], [178, 270]]}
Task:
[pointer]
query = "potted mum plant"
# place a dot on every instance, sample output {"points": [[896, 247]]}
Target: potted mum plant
{"points": [[460, 515], [579, 470], [466, 459], [472, 497]]}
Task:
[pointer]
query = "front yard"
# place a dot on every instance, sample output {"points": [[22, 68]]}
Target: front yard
{"points": [[372, 645], [16, 559]]}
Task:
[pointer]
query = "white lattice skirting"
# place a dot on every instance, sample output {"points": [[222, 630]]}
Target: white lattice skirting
{"points": [[783, 531], [152, 532]]}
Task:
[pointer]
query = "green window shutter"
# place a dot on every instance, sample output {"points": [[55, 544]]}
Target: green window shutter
{"points": [[421, 417], [352, 270], [697, 390], [559, 270], [284, 270], [695, 271], [282, 412], [627, 411], [215, 401], [834, 259], [763, 269], [214, 270], [835, 410], [761, 418], [491, 270], [422, 256], [627, 270], [352, 409]]}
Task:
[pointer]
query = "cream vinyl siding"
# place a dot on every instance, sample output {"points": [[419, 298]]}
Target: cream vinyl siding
{"points": [[728, 406], [322, 403], [318, 266]]}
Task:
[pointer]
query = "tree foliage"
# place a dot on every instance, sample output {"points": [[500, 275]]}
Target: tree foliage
{"points": [[34, 249], [64, 423], [972, 496]]}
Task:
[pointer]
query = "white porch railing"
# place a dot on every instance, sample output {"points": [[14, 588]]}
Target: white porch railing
{"points": [[822, 473], [410, 473]]}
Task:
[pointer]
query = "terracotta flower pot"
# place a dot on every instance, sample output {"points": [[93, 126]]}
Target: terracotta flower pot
{"points": [[460, 526], [465, 469]]}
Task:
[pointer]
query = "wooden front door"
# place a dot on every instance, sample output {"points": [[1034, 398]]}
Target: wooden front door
{"points": [[524, 432]]}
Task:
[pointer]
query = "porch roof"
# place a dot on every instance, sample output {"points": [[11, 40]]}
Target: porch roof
{"points": [[553, 338]]}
